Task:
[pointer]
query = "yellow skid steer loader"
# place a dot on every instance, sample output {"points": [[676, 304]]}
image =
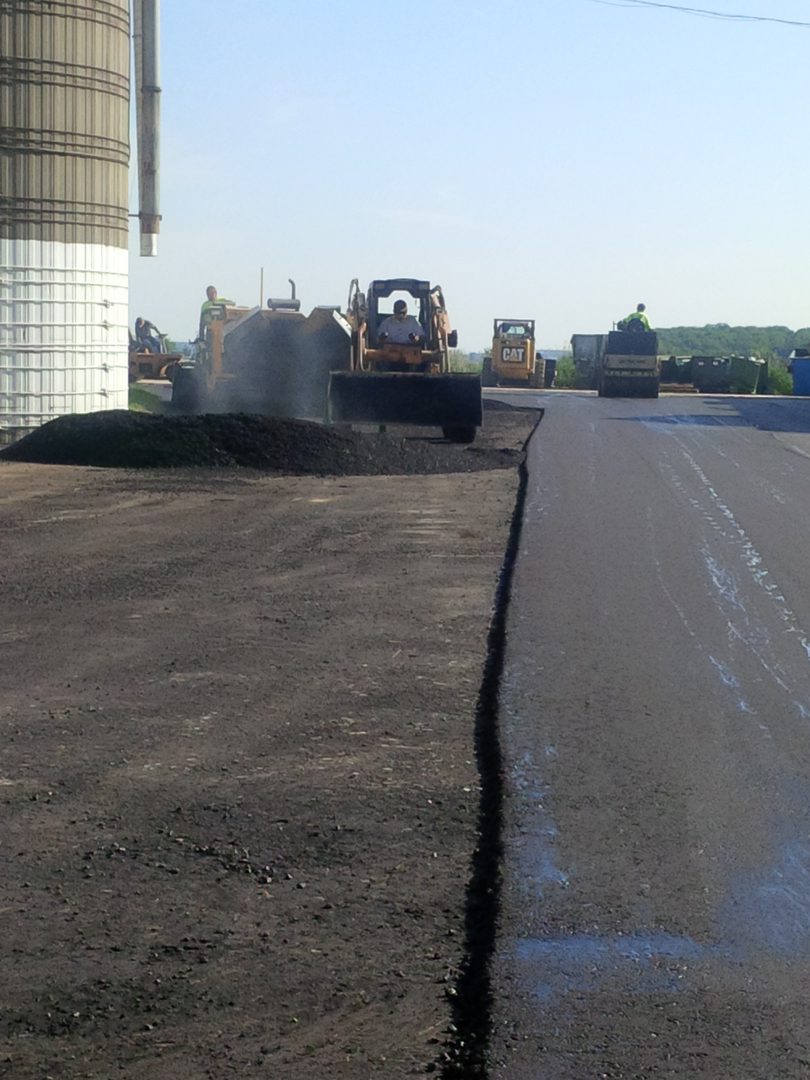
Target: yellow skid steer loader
{"points": [[400, 371]]}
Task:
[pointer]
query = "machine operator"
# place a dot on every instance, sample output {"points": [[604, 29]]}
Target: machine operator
{"points": [[401, 328], [212, 300], [637, 320]]}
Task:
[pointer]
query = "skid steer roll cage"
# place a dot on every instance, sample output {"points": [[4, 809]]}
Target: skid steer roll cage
{"points": [[528, 325], [365, 316]]}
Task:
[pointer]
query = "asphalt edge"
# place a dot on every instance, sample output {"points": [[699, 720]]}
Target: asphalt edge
{"points": [[464, 1056]]}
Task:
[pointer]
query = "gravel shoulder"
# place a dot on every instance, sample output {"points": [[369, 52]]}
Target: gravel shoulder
{"points": [[239, 789]]}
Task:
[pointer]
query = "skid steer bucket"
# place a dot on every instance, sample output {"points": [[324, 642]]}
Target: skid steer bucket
{"points": [[451, 402]]}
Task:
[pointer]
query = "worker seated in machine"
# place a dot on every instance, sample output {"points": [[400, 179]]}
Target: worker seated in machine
{"points": [[147, 337], [636, 321], [212, 308], [400, 328]]}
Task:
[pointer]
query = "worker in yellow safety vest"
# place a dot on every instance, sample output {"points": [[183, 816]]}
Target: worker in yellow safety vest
{"points": [[211, 301], [637, 320]]}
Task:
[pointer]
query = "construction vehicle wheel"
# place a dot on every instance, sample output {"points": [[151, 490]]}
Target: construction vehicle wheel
{"points": [[459, 434], [487, 375], [188, 391], [537, 377]]}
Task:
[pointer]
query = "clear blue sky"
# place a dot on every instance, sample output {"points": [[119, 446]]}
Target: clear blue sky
{"points": [[555, 159]]}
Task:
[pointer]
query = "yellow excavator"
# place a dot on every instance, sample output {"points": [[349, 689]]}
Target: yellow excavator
{"points": [[404, 378]]}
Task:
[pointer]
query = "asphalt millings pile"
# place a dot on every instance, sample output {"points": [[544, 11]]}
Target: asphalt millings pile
{"points": [[135, 440]]}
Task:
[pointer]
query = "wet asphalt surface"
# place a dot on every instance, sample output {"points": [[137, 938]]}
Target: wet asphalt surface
{"points": [[655, 726]]}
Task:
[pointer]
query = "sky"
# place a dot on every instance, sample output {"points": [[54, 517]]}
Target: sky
{"points": [[560, 160]]}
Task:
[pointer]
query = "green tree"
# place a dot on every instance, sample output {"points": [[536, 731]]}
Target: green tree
{"points": [[720, 339], [460, 361], [565, 374]]}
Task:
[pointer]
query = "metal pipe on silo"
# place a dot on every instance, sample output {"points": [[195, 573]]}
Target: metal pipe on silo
{"points": [[64, 167], [146, 24]]}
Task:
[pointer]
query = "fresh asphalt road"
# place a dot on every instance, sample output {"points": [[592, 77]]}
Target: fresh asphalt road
{"points": [[655, 728]]}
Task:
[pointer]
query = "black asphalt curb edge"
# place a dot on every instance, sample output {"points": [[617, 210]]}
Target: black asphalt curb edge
{"points": [[464, 1056]]}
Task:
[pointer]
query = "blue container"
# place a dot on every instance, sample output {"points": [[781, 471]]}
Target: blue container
{"points": [[800, 369]]}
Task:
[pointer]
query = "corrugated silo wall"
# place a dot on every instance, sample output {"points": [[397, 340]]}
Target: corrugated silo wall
{"points": [[64, 161]]}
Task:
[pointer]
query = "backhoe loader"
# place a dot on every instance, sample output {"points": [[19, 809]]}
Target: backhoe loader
{"points": [[150, 359], [404, 382]]}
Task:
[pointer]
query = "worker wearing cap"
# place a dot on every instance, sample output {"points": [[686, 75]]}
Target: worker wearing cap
{"points": [[637, 320], [400, 328]]}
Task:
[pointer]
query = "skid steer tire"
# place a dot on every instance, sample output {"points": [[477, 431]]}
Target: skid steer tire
{"points": [[487, 374], [459, 434], [537, 377]]}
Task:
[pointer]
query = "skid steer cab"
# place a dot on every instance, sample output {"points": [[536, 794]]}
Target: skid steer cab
{"points": [[400, 362], [513, 359]]}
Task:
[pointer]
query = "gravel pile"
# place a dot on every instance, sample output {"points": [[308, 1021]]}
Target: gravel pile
{"points": [[136, 440]]}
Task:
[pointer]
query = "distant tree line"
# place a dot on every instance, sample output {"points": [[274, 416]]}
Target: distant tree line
{"points": [[720, 339]]}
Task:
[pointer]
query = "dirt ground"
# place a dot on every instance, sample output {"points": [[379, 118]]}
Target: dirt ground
{"points": [[239, 784]]}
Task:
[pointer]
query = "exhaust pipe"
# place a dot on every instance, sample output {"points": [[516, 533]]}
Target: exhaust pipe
{"points": [[147, 112]]}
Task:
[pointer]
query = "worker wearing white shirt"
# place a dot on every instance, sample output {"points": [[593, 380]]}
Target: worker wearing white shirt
{"points": [[400, 328]]}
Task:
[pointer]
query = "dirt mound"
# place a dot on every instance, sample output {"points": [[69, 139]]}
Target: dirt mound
{"points": [[133, 440]]}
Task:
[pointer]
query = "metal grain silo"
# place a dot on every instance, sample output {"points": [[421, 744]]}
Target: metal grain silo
{"points": [[64, 159]]}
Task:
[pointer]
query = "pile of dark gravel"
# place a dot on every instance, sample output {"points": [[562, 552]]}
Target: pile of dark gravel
{"points": [[136, 440]]}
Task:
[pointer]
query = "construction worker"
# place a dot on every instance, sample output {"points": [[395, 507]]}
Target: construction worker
{"points": [[147, 336], [637, 320], [401, 328], [212, 300]]}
